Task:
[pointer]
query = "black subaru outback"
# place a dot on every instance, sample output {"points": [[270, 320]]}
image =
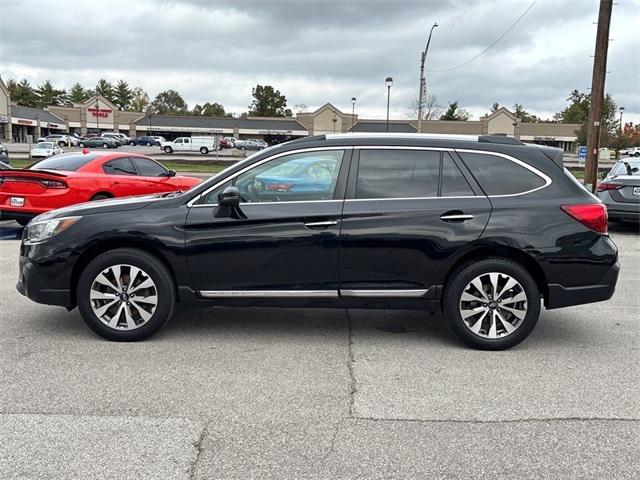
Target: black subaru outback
{"points": [[484, 228]]}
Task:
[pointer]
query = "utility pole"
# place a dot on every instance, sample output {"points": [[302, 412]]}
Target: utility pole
{"points": [[421, 92], [597, 94]]}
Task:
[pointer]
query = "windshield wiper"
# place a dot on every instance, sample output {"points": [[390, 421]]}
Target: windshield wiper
{"points": [[171, 194]]}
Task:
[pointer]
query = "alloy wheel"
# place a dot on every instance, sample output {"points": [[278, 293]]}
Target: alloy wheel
{"points": [[123, 297], [493, 305]]}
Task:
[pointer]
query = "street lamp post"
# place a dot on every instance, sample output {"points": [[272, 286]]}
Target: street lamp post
{"points": [[388, 82], [353, 110], [621, 112], [423, 57]]}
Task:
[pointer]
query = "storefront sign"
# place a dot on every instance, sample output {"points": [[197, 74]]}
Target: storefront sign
{"points": [[545, 139], [100, 112], [22, 121]]}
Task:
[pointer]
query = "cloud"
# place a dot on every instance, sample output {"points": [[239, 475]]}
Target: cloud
{"points": [[319, 51]]}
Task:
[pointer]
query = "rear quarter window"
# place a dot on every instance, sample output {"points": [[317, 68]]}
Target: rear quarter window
{"points": [[500, 176]]}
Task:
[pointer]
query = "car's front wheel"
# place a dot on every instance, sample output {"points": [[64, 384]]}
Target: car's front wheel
{"points": [[491, 304], [126, 295], [105, 145], [81, 144]]}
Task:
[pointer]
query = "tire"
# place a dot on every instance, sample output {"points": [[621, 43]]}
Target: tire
{"points": [[242, 148], [491, 310], [105, 145], [168, 150], [62, 144], [204, 150], [152, 272], [81, 144], [149, 144], [100, 196], [637, 154]]}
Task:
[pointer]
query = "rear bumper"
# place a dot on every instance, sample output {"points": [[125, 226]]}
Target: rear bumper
{"points": [[560, 296], [33, 284], [624, 215]]}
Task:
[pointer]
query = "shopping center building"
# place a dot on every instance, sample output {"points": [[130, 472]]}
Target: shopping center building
{"points": [[98, 114]]}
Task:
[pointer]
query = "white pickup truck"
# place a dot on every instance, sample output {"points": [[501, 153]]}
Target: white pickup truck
{"points": [[203, 145]]}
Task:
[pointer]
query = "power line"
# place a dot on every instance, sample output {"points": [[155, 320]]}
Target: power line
{"points": [[491, 45]]}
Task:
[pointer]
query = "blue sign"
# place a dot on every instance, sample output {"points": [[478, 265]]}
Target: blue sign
{"points": [[582, 153]]}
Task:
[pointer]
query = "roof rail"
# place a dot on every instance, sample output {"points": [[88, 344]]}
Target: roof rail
{"points": [[499, 139], [434, 136]]}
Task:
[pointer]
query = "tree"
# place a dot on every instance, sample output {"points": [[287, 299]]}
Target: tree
{"points": [[578, 112], [268, 102], [122, 95], [210, 110], [523, 115], [139, 100], [168, 102], [105, 89], [48, 95], [22, 93], [455, 113], [300, 108], [79, 94], [431, 110]]}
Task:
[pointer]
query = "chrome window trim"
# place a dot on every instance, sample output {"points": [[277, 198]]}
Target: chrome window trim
{"points": [[268, 293], [406, 293], [249, 167]]}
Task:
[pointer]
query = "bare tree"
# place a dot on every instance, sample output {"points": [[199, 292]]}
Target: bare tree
{"points": [[431, 109]]}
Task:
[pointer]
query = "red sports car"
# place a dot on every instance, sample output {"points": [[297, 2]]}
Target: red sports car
{"points": [[77, 177]]}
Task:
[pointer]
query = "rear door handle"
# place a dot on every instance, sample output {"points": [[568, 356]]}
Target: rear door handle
{"points": [[324, 224], [455, 217]]}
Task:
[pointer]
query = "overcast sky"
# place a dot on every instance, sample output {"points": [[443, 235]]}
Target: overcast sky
{"points": [[317, 51]]}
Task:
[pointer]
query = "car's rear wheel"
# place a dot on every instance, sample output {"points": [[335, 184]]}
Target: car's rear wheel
{"points": [[491, 304], [126, 295], [100, 196], [242, 148], [149, 144], [168, 149], [204, 150]]}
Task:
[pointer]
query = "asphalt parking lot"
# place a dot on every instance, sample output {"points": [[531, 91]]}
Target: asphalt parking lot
{"points": [[239, 393]]}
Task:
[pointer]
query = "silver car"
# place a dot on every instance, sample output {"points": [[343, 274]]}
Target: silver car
{"points": [[620, 191]]}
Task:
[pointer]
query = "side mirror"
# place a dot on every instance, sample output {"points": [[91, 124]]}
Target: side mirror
{"points": [[171, 173], [229, 204], [603, 175]]}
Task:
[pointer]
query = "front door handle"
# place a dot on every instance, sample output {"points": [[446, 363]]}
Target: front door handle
{"points": [[324, 224], [455, 217]]}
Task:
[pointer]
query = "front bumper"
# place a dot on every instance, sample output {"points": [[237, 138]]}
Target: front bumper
{"points": [[33, 284]]}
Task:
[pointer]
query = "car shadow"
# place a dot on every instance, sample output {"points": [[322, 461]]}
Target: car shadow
{"points": [[10, 231], [624, 227]]}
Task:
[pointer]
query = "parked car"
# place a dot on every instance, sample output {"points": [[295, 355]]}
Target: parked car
{"points": [[248, 145], [146, 140], [45, 149], [619, 190], [4, 154], [103, 142], [203, 145], [632, 151], [115, 137], [61, 140], [227, 142], [484, 228], [81, 177], [159, 139]]}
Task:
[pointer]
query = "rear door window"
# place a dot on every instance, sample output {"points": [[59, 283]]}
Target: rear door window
{"points": [[119, 166], [397, 174], [501, 176]]}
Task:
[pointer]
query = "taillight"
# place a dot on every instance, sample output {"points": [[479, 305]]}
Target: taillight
{"points": [[53, 184], [592, 215], [280, 187], [602, 186]]}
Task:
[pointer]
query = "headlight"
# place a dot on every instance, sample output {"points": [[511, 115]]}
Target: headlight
{"points": [[39, 231]]}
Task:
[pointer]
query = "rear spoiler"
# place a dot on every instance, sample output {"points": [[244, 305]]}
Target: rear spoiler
{"points": [[24, 173]]}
